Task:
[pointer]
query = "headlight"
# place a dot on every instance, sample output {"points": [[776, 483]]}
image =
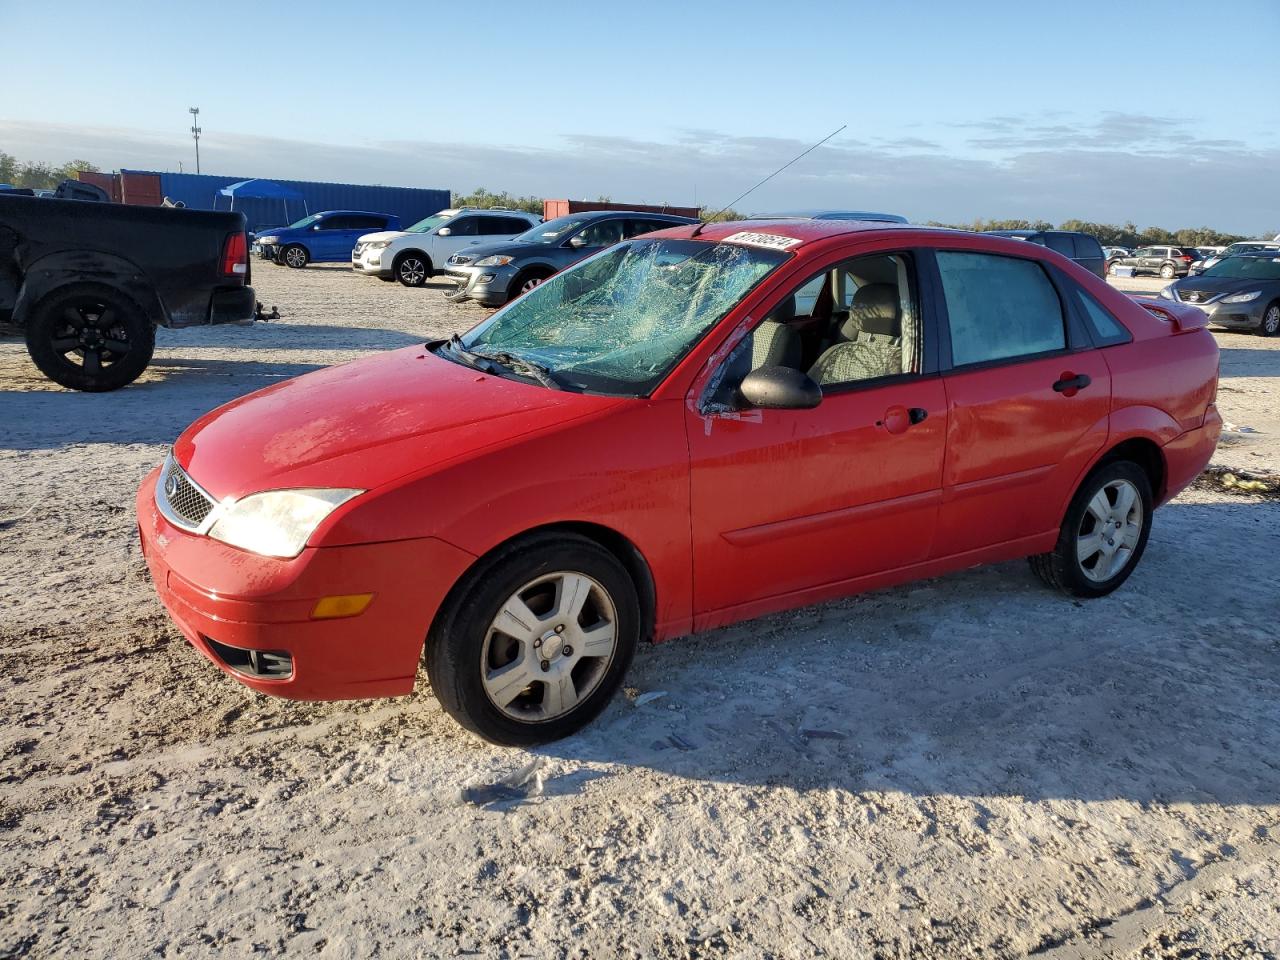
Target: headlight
{"points": [[1167, 293], [277, 523], [1243, 297], [378, 244], [494, 261], [268, 239]]}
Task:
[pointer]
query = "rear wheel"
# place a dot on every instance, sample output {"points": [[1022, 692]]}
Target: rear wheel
{"points": [[412, 269], [295, 256], [89, 336], [1166, 271], [1103, 534], [535, 643], [1270, 325]]}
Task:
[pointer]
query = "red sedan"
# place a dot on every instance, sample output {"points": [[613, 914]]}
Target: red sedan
{"points": [[690, 428]]}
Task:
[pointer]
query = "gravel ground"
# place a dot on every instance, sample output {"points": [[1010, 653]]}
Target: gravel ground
{"points": [[967, 767]]}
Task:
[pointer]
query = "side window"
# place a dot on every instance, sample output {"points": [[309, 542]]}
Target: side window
{"points": [[1037, 238], [1087, 248], [870, 332], [335, 223], [1107, 330], [495, 226], [367, 223], [603, 233], [637, 227], [999, 307], [463, 226], [514, 225], [1061, 243]]}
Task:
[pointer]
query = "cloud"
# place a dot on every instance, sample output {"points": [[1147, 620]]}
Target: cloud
{"points": [[1102, 170]]}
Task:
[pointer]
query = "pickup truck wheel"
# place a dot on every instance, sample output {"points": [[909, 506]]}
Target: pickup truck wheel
{"points": [[1103, 534], [534, 643], [295, 256], [412, 269], [89, 336], [1270, 325], [1166, 271]]}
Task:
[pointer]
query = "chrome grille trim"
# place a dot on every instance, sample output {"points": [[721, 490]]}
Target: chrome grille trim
{"points": [[182, 501]]}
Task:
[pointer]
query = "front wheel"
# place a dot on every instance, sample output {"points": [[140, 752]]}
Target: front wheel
{"points": [[1166, 271], [412, 269], [1270, 325], [89, 336], [526, 282], [295, 256], [1103, 534], [532, 647], [1112, 268]]}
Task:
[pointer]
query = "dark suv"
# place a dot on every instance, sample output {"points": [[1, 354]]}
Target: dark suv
{"points": [[1169, 262], [493, 273], [1080, 247]]}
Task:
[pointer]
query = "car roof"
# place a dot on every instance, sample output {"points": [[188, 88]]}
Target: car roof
{"points": [[591, 215], [363, 213], [810, 231], [832, 215]]}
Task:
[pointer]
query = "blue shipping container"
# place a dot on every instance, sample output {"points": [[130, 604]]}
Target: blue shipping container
{"points": [[199, 191]]}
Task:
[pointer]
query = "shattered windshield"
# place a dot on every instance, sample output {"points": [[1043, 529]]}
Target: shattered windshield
{"points": [[553, 231], [617, 323]]}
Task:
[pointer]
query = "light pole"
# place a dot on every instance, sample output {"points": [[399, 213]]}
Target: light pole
{"points": [[195, 132]]}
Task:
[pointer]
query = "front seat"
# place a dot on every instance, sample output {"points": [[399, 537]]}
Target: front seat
{"points": [[775, 342], [872, 338]]}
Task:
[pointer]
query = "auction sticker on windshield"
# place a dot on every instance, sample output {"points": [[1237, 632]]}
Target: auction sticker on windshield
{"points": [[769, 240]]}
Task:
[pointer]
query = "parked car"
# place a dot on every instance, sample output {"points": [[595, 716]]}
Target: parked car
{"points": [[1240, 292], [1232, 250], [655, 442], [1114, 253], [1168, 262], [88, 283], [413, 256], [832, 215], [1080, 247], [322, 237], [493, 273]]}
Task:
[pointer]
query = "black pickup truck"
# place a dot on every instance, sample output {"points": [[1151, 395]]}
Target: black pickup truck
{"points": [[87, 284]]}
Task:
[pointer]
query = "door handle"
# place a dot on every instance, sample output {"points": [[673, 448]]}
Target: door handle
{"points": [[1069, 384], [917, 415], [899, 419]]}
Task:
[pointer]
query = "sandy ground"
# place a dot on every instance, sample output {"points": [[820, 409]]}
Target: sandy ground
{"points": [[968, 767]]}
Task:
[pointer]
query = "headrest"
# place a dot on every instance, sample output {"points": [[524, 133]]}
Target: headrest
{"points": [[784, 311], [874, 310]]}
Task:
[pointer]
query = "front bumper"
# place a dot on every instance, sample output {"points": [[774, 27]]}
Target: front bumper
{"points": [[486, 285], [1235, 316], [228, 603], [373, 263]]}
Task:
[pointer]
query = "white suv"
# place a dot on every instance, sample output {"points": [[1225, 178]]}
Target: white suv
{"points": [[412, 256]]}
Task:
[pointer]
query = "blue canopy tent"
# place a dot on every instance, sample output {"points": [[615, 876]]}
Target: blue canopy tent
{"points": [[264, 190]]}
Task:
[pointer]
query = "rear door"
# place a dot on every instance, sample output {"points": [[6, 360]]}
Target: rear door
{"points": [[1028, 399], [330, 240], [463, 231]]}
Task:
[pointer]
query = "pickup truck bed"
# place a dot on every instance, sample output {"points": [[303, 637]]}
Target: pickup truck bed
{"points": [[88, 283]]}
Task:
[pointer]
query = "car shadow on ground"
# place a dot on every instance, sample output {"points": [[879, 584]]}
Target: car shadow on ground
{"points": [[1244, 361], [285, 336], [985, 683]]}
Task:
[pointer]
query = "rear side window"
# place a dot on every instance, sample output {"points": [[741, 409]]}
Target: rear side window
{"points": [[1087, 248], [1061, 243], [999, 307], [1107, 330], [464, 226]]}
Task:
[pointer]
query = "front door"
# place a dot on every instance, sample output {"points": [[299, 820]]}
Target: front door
{"points": [[784, 501], [1028, 401]]}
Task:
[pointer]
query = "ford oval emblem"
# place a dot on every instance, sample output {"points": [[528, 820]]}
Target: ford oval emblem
{"points": [[170, 485]]}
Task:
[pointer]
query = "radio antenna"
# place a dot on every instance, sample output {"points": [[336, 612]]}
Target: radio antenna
{"points": [[730, 204]]}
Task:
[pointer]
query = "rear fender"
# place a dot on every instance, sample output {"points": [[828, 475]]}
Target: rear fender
{"points": [[59, 269]]}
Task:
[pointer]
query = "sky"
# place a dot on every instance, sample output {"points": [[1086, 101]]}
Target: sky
{"points": [[1112, 112]]}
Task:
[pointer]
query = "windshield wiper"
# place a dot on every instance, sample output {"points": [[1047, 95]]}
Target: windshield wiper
{"points": [[525, 367], [472, 359]]}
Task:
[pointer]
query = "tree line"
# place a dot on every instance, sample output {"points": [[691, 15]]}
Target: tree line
{"points": [[37, 175]]}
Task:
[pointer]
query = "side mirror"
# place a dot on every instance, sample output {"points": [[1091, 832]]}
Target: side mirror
{"points": [[780, 388], [443, 232], [318, 226], [578, 242]]}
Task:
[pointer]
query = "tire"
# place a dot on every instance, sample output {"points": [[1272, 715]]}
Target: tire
{"points": [[1270, 325], [467, 648], [90, 336], [1083, 529], [524, 282], [412, 268], [1167, 271], [294, 256], [1111, 269]]}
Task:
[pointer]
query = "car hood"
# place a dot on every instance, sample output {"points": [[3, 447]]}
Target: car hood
{"points": [[382, 235], [1209, 287], [505, 248], [366, 423]]}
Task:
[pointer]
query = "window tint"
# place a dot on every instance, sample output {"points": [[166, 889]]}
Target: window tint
{"points": [[999, 307], [367, 223], [1061, 242], [335, 223], [464, 226], [1106, 328], [636, 227], [495, 226], [603, 233], [1087, 248]]}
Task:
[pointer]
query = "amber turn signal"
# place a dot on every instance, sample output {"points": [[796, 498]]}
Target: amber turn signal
{"points": [[348, 605]]}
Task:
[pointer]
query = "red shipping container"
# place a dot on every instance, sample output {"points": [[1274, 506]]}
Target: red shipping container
{"points": [[559, 208]]}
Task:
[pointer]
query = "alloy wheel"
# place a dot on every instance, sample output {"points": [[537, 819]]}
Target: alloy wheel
{"points": [[549, 646], [1271, 320], [530, 284], [413, 271], [295, 257], [91, 332], [1109, 531]]}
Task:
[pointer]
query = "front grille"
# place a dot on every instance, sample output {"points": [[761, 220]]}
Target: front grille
{"points": [[188, 505], [265, 664]]}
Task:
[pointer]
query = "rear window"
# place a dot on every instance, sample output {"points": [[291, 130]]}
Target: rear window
{"points": [[1061, 243], [1107, 330], [1087, 247]]}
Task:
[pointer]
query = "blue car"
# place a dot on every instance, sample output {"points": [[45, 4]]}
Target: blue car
{"points": [[322, 237]]}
